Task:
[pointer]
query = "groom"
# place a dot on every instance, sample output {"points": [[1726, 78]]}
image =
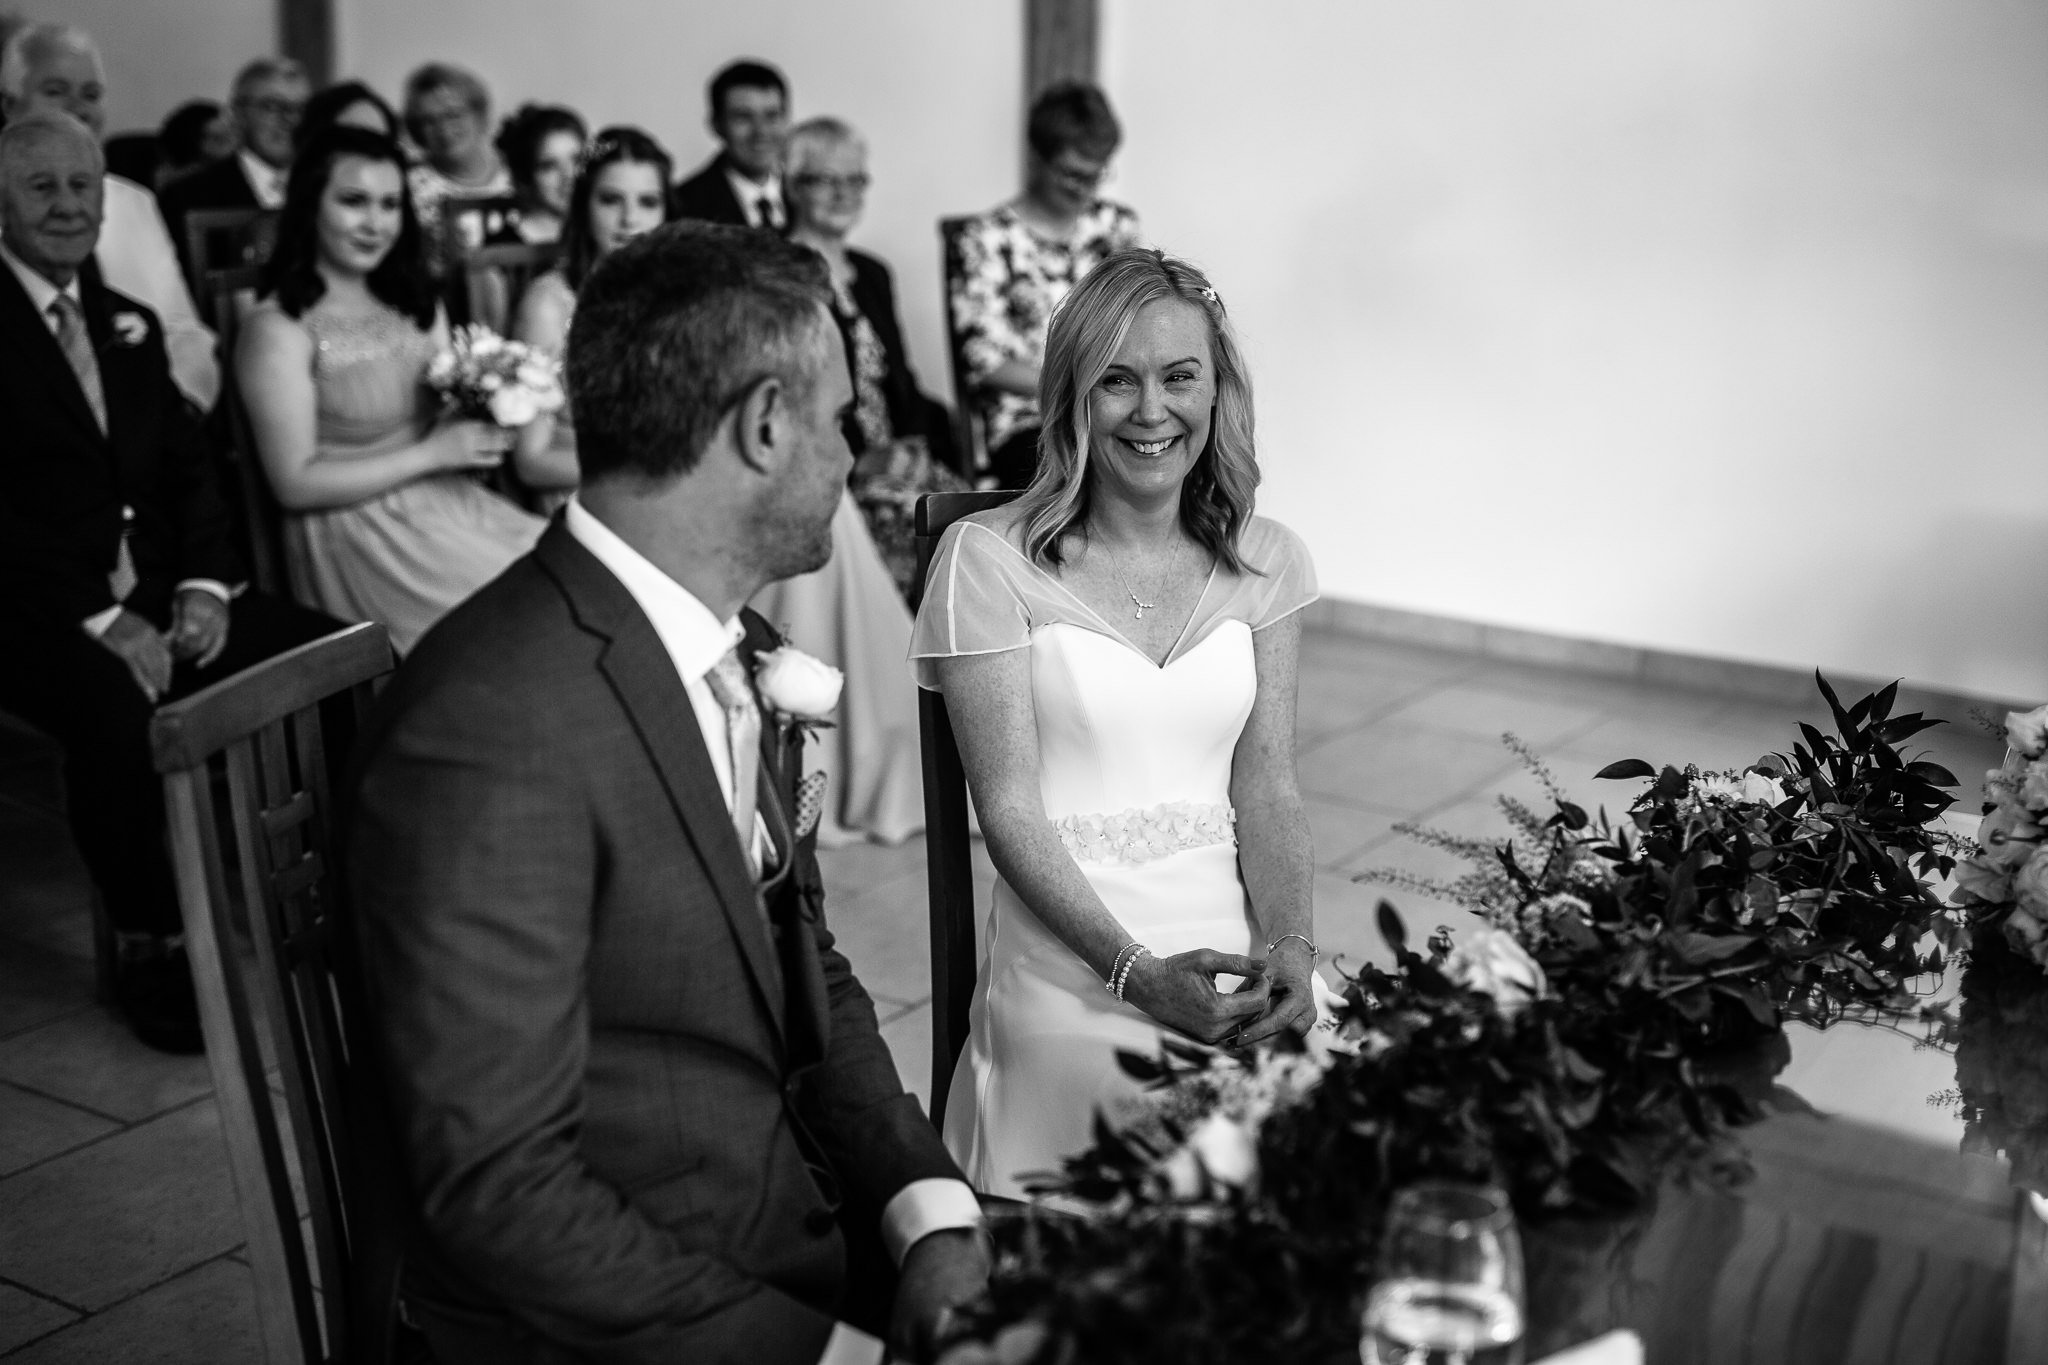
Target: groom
{"points": [[641, 1100]]}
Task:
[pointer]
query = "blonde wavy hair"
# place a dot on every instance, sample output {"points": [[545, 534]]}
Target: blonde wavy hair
{"points": [[1089, 325]]}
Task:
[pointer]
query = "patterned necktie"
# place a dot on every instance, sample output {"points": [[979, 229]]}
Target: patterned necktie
{"points": [[728, 681], [77, 347]]}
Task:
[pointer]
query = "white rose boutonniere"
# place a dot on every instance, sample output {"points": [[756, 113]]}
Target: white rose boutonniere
{"points": [[801, 688], [130, 329]]}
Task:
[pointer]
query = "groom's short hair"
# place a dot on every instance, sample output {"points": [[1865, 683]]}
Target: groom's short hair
{"points": [[674, 328]]}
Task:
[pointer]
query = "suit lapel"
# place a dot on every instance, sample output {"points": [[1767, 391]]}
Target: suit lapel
{"points": [[642, 675], [37, 348]]}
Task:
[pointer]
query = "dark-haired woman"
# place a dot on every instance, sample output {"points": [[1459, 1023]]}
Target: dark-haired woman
{"points": [[542, 145], [384, 522], [350, 104], [621, 193]]}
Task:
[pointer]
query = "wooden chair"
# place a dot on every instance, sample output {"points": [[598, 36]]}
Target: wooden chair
{"points": [[493, 278], [949, 864], [222, 239], [299, 991], [225, 297], [967, 423]]}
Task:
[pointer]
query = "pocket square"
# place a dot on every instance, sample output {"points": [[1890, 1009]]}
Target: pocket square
{"points": [[810, 803]]}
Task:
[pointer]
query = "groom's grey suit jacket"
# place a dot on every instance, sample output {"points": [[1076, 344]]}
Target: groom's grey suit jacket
{"points": [[629, 1089]]}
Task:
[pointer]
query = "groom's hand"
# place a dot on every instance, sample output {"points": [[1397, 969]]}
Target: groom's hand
{"points": [[941, 1272]]}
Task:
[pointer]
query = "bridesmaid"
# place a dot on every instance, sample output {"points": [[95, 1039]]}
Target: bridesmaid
{"points": [[385, 522], [621, 192]]}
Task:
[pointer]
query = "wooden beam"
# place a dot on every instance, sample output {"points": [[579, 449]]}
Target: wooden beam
{"points": [[1060, 40], [305, 32]]}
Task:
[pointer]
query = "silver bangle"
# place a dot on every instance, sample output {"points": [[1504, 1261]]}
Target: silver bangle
{"points": [[1314, 953], [1116, 965]]}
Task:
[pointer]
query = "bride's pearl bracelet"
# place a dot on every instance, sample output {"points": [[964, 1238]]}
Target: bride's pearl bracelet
{"points": [[1120, 970]]}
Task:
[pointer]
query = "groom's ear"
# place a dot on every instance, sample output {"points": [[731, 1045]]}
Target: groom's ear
{"points": [[762, 430]]}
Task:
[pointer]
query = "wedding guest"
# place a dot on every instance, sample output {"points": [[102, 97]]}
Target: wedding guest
{"points": [[448, 116], [640, 1096], [541, 145], [1117, 652], [385, 521], [118, 571], [57, 66], [195, 134], [896, 428], [620, 194], [350, 103], [1020, 259], [270, 94], [742, 184]]}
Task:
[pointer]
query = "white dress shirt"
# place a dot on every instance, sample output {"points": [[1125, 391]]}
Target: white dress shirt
{"points": [[136, 258], [266, 181], [695, 640], [41, 294], [750, 193]]}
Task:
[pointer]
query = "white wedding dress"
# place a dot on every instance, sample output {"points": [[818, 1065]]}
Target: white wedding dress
{"points": [[1134, 764]]}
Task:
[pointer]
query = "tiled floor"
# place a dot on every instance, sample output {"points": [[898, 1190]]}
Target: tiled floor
{"points": [[119, 1236]]}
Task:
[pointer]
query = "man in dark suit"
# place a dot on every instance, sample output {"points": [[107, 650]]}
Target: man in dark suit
{"points": [[270, 94], [116, 559], [641, 1099], [742, 185]]}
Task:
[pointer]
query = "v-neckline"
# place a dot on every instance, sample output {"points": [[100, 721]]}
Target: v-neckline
{"points": [[1173, 652]]}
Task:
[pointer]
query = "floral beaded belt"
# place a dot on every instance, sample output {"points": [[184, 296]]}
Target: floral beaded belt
{"points": [[1140, 836]]}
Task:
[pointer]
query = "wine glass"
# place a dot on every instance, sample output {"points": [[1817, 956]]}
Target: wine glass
{"points": [[1449, 1285]]}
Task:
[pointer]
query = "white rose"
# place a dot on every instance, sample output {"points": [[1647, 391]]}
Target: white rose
{"points": [[442, 369], [1982, 881], [1227, 1151], [796, 684], [536, 374], [1762, 789], [2008, 836], [1183, 1172], [2027, 731], [1490, 961], [2030, 884], [513, 407]]}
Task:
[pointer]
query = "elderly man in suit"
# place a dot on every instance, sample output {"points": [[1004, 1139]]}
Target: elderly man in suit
{"points": [[641, 1099], [743, 183], [270, 94], [116, 563]]}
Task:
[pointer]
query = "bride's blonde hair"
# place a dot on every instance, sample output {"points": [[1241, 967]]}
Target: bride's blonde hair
{"points": [[1087, 328]]}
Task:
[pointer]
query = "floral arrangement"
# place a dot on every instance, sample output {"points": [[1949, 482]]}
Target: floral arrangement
{"points": [[1617, 1022], [2003, 884], [484, 377], [1794, 888]]}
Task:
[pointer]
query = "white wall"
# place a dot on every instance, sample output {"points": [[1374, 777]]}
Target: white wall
{"points": [[933, 84], [1711, 325], [160, 53]]}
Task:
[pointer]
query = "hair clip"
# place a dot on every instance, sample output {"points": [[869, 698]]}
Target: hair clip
{"points": [[1209, 293]]}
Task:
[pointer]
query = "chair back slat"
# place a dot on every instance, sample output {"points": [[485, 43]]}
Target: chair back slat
{"points": [[949, 861], [968, 428], [221, 239], [262, 730], [494, 278], [225, 297]]}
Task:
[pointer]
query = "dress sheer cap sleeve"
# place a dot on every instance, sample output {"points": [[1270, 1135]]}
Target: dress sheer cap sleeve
{"points": [[976, 601], [1289, 576]]}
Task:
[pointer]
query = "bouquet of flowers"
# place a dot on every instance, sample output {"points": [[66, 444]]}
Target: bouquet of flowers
{"points": [[2003, 884], [484, 377], [1793, 888]]}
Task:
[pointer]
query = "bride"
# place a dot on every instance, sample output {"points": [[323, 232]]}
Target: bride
{"points": [[1117, 651]]}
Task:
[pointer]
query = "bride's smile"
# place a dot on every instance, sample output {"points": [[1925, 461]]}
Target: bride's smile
{"points": [[1149, 412]]}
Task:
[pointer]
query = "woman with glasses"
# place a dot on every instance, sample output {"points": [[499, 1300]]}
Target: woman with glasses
{"points": [[851, 613], [620, 193], [1018, 261], [902, 440], [448, 116]]}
